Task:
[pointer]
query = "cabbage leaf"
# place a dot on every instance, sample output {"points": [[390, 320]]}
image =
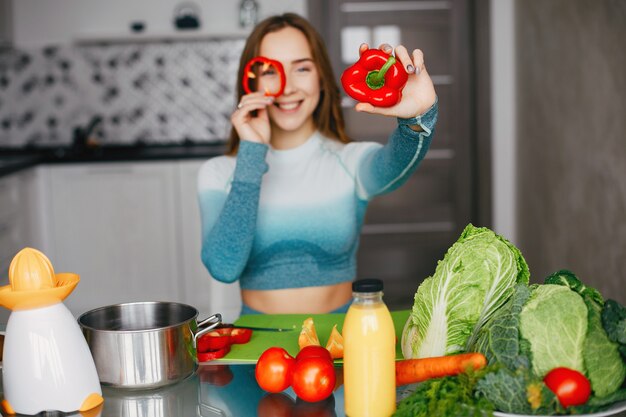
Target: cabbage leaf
{"points": [[500, 339], [601, 356], [554, 322], [474, 279]]}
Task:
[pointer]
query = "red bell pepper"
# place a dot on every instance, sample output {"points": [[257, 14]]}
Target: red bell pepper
{"points": [[211, 355], [249, 75], [216, 343], [376, 78], [240, 336], [215, 339]]}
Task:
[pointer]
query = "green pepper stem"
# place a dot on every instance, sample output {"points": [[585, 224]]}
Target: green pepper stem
{"points": [[376, 79]]}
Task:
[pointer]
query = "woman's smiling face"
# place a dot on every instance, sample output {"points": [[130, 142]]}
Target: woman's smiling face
{"points": [[291, 114]]}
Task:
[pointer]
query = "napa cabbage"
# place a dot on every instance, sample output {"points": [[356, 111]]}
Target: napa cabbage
{"points": [[474, 279]]}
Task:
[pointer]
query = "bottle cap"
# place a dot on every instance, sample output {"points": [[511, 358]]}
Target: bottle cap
{"points": [[367, 285]]}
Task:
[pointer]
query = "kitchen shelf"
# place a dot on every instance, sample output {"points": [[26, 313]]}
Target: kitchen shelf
{"points": [[98, 38]]}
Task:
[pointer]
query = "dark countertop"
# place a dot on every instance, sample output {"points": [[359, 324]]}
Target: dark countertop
{"points": [[14, 160]]}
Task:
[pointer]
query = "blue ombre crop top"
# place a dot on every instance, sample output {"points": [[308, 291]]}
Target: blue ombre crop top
{"points": [[276, 219]]}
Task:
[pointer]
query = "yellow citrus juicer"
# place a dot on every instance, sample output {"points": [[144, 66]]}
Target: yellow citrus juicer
{"points": [[47, 365]]}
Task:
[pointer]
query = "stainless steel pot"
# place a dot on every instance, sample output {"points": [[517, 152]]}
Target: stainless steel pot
{"points": [[145, 344]]}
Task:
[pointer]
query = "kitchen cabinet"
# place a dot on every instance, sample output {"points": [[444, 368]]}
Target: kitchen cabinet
{"points": [[19, 216], [20, 221], [33, 23], [114, 224], [131, 230]]}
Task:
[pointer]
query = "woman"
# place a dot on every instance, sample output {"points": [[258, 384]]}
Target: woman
{"points": [[283, 211]]}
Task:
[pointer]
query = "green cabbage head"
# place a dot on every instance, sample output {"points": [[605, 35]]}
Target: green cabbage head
{"points": [[558, 324], [474, 279]]}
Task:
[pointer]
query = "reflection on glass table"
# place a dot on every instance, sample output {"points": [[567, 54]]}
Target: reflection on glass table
{"points": [[212, 391]]}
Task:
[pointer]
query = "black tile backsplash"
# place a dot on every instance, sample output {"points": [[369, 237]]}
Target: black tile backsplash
{"points": [[170, 92]]}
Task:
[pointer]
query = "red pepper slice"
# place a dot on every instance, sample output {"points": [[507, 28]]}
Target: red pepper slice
{"points": [[215, 339], [376, 78], [211, 355], [261, 70], [240, 336]]}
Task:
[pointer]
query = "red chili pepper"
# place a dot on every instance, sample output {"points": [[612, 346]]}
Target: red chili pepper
{"points": [[249, 75], [376, 78]]}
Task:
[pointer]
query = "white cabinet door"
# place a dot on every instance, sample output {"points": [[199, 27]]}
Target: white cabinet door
{"points": [[201, 290], [20, 220], [114, 224]]}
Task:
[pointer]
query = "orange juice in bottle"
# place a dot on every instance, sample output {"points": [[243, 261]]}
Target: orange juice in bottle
{"points": [[369, 353]]}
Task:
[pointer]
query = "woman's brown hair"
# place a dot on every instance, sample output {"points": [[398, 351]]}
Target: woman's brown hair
{"points": [[328, 117]]}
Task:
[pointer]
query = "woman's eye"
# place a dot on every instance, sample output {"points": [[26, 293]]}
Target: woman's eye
{"points": [[268, 72], [303, 69]]}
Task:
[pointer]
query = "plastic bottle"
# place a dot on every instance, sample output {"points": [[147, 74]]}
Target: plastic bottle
{"points": [[369, 353]]}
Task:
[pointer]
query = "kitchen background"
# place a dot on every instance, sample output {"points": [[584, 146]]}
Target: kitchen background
{"points": [[530, 139]]}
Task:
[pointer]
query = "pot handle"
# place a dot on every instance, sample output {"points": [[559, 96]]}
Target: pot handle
{"points": [[210, 323]]}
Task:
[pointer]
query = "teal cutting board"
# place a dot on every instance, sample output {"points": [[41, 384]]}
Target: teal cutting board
{"points": [[262, 340]]}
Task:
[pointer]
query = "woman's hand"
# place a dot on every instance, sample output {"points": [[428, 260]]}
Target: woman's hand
{"points": [[418, 94], [253, 128]]}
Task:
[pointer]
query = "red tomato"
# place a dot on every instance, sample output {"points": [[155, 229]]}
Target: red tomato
{"points": [[570, 386], [313, 351], [313, 378], [274, 369]]}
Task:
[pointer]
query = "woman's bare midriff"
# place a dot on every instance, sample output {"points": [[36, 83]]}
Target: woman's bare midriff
{"points": [[313, 300]]}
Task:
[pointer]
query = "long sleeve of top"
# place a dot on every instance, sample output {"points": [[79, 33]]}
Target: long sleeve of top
{"points": [[292, 218]]}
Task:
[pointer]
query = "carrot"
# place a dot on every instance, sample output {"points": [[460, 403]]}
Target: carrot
{"points": [[409, 371]]}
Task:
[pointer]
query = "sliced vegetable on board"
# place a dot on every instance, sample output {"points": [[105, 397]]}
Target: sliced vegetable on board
{"points": [[216, 343], [240, 336], [212, 354], [215, 339]]}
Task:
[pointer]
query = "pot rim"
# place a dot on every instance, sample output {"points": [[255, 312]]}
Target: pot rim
{"points": [[156, 329]]}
